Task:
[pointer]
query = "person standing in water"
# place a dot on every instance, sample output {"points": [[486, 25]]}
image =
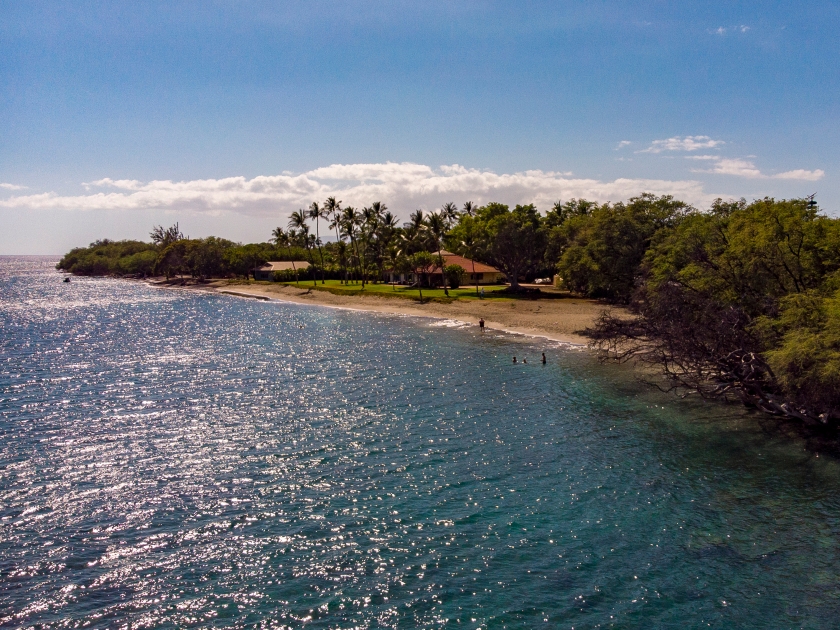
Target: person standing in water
{"points": [[481, 324], [543, 359], [514, 359]]}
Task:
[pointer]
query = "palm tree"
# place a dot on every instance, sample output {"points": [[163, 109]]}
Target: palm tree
{"points": [[437, 228], [413, 232], [350, 220], [369, 231], [332, 210], [469, 245], [379, 208], [449, 212], [281, 239], [315, 212], [385, 239], [298, 220], [469, 208]]}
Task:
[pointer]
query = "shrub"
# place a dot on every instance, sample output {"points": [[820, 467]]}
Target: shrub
{"points": [[453, 274]]}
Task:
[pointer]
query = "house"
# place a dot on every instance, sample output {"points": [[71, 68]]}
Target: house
{"points": [[266, 272], [476, 272]]}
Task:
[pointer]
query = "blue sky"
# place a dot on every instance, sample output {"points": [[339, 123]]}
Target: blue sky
{"points": [[226, 116]]}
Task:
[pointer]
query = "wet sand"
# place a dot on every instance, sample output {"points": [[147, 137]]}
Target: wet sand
{"points": [[562, 318]]}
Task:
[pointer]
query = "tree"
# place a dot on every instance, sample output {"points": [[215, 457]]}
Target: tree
{"points": [[315, 212], [298, 220], [453, 274], [450, 214], [350, 221], [437, 228], [421, 264], [281, 239], [517, 242], [469, 243], [333, 209], [603, 247], [163, 237], [741, 302]]}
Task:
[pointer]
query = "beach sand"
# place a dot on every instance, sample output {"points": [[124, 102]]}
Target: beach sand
{"points": [[563, 318]]}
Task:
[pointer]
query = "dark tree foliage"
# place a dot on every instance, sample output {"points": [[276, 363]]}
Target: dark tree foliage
{"points": [[106, 257], [454, 274], [512, 240], [742, 302], [601, 248]]}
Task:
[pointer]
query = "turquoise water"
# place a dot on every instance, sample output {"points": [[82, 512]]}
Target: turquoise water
{"points": [[175, 459]]}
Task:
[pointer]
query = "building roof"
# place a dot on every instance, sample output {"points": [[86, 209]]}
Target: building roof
{"points": [[454, 259], [284, 265]]}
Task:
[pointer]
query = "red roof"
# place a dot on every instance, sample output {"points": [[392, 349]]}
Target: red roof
{"points": [[467, 264]]}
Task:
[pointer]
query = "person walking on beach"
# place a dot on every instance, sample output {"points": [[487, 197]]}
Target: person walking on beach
{"points": [[481, 324], [543, 359]]}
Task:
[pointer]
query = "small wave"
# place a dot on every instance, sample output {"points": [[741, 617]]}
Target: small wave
{"points": [[448, 323]]}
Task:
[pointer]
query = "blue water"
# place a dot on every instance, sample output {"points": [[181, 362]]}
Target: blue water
{"points": [[178, 459]]}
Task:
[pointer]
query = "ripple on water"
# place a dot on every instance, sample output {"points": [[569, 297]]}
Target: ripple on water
{"points": [[174, 459]]}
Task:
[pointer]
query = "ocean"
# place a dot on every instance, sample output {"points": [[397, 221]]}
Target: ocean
{"points": [[172, 458]]}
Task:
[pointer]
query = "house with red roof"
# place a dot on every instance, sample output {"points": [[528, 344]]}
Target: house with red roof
{"points": [[475, 272]]}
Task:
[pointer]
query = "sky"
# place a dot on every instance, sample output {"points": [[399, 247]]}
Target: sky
{"points": [[225, 116]]}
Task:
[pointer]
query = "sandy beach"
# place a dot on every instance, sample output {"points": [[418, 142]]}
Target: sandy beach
{"points": [[560, 319]]}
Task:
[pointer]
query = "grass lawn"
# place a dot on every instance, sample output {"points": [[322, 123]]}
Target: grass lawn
{"points": [[463, 293]]}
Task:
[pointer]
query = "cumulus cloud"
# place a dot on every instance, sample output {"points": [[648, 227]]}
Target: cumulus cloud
{"points": [[402, 186], [738, 167], [623, 144], [6, 186], [745, 168], [801, 174], [125, 184], [685, 143]]}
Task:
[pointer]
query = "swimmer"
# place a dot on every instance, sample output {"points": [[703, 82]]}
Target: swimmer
{"points": [[524, 360], [543, 359], [514, 359]]}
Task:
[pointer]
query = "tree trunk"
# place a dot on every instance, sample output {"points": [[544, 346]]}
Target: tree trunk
{"points": [[476, 278], [442, 274]]}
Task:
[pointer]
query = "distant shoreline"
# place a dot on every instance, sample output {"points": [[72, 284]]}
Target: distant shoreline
{"points": [[558, 320]]}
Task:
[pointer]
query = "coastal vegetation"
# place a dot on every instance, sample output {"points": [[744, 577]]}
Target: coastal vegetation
{"points": [[740, 301]]}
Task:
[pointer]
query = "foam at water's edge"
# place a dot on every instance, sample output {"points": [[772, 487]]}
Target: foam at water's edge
{"points": [[441, 321]]}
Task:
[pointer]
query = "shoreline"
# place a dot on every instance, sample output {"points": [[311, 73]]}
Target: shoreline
{"points": [[558, 320]]}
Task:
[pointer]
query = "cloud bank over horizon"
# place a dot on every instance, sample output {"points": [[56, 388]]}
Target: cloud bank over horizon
{"points": [[402, 186]]}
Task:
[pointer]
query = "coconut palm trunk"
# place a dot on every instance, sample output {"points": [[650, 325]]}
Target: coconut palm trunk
{"points": [[315, 213], [298, 220]]}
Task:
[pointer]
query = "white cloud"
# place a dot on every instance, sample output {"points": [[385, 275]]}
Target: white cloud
{"points": [[6, 186], [402, 186], [745, 168], [686, 143], [126, 184], [738, 167], [802, 175], [623, 144]]}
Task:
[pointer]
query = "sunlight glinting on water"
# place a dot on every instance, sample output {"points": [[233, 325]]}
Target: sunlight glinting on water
{"points": [[173, 458]]}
